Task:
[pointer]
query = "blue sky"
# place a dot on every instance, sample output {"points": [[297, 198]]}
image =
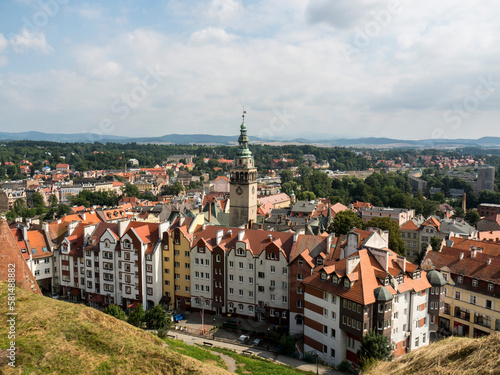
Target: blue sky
{"points": [[313, 68]]}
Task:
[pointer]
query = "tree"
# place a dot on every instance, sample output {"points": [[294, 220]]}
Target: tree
{"points": [[174, 189], [436, 243], [52, 200], [130, 190], [286, 175], [374, 347], [115, 311], [158, 318], [472, 217], [344, 221], [137, 317], [287, 345], [396, 243]]}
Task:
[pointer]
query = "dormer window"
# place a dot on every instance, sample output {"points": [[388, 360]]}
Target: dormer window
{"points": [[300, 262], [474, 282], [319, 261], [201, 249], [240, 252], [460, 279], [126, 244], [106, 243], [347, 283], [386, 282], [335, 279], [323, 276]]}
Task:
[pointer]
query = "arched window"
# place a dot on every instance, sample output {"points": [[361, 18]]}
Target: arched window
{"points": [[217, 258], [299, 319]]}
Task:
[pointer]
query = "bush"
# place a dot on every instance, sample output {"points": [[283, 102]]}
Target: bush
{"points": [[162, 333]]}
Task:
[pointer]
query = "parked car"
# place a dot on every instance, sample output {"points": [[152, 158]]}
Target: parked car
{"points": [[232, 323], [243, 338], [179, 317], [257, 342], [54, 295]]}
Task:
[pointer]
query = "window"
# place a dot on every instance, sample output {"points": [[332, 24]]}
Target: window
{"points": [[196, 261], [284, 299], [217, 258], [299, 276], [323, 276], [300, 262], [490, 287], [381, 307], [457, 295], [335, 279], [177, 287], [240, 279], [150, 291], [285, 270], [334, 315], [231, 291], [187, 277], [300, 304], [250, 266], [231, 277], [250, 294], [187, 265], [273, 269], [347, 283], [488, 304], [332, 332], [231, 264], [474, 284], [473, 300], [37, 272], [423, 338], [300, 290], [325, 330], [416, 342], [250, 280], [325, 312], [460, 279], [240, 265], [250, 309], [186, 253]]}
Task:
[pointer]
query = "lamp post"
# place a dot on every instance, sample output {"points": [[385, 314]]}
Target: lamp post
{"points": [[317, 366]]}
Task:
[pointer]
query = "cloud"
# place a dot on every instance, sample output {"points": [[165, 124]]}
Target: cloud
{"points": [[340, 14], [27, 40], [88, 11], [211, 35], [223, 10], [95, 63], [4, 43]]}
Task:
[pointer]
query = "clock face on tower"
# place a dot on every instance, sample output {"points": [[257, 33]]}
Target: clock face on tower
{"points": [[239, 190]]}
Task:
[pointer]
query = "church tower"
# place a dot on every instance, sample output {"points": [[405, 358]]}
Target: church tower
{"points": [[243, 184]]}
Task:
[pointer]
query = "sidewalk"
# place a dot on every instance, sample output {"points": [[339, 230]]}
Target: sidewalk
{"points": [[278, 358]]}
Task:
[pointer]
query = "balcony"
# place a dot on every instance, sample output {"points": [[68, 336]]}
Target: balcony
{"points": [[482, 320]]}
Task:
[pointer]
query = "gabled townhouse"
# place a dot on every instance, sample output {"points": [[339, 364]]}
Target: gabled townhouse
{"points": [[71, 263], [399, 215], [241, 272], [472, 288], [36, 248], [369, 289], [176, 261]]}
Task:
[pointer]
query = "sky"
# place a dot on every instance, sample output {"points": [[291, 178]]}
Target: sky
{"points": [[301, 68]]}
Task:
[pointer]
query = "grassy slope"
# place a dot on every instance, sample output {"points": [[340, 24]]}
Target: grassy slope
{"points": [[451, 356], [55, 337]]}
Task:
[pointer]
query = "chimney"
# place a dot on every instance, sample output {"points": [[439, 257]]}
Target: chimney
{"points": [[241, 234], [122, 227], [351, 264], [84, 216], [295, 237], [229, 233], [204, 226], [219, 235], [25, 232], [329, 242], [401, 262], [461, 256], [473, 252], [71, 227], [270, 237], [488, 261]]}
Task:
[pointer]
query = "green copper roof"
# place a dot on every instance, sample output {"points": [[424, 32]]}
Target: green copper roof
{"points": [[243, 140], [435, 278], [382, 294]]}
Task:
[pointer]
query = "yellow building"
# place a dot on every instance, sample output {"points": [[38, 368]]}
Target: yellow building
{"points": [[472, 306], [176, 261]]}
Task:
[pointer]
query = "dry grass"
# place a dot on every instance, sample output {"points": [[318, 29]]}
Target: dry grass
{"points": [[55, 337], [454, 355]]}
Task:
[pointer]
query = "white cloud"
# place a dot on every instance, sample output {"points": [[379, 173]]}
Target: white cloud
{"points": [[4, 43], [211, 35], [3, 60], [223, 10], [27, 40], [88, 11], [95, 63]]}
